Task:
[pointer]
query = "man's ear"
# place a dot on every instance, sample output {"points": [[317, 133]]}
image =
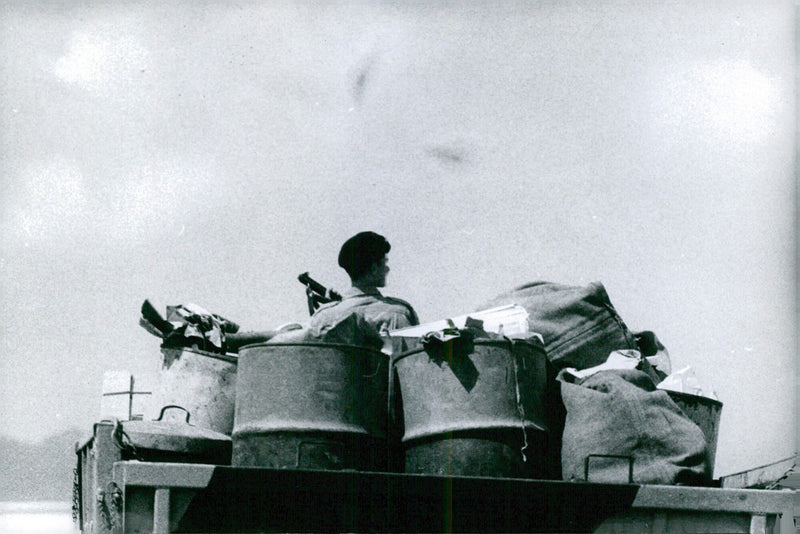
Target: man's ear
{"points": [[374, 271]]}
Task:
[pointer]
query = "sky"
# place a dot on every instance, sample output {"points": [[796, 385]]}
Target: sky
{"points": [[209, 152]]}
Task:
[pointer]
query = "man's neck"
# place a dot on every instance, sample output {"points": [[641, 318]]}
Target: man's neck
{"points": [[366, 288]]}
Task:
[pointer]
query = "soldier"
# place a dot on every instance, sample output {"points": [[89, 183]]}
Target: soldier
{"points": [[363, 256]]}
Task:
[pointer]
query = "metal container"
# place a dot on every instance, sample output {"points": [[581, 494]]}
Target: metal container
{"points": [[480, 413], [204, 383], [311, 406], [705, 413], [166, 441]]}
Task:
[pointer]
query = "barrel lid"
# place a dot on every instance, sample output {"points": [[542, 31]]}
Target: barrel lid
{"points": [[174, 436]]}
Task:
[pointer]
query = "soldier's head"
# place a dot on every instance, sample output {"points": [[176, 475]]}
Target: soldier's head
{"points": [[363, 256]]}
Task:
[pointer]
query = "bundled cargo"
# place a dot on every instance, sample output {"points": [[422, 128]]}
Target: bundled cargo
{"points": [[579, 325]]}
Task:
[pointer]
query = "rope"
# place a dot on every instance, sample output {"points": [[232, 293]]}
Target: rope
{"points": [[520, 407]]}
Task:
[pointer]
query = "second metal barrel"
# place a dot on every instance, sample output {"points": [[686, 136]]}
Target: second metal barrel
{"points": [[311, 406], [705, 413], [202, 383], [477, 414]]}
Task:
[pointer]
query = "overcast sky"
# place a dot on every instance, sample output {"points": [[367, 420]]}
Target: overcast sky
{"points": [[209, 152]]}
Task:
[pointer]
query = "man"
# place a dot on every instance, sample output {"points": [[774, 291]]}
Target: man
{"points": [[363, 257]]}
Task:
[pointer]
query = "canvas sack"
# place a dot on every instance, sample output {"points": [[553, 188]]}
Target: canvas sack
{"points": [[617, 416]]}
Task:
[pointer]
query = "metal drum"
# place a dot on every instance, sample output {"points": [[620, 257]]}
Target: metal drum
{"points": [[179, 441], [311, 406], [480, 413], [201, 382], [705, 413]]}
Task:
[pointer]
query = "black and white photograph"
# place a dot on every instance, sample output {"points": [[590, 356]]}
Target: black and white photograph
{"points": [[399, 266]]}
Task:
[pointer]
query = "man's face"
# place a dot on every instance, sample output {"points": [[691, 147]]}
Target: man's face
{"points": [[379, 272]]}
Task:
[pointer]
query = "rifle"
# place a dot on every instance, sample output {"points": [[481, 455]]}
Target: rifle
{"points": [[316, 293]]}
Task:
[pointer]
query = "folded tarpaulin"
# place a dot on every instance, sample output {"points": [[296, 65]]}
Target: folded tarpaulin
{"points": [[579, 324], [351, 330]]}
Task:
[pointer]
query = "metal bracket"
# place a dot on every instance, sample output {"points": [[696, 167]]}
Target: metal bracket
{"points": [[618, 456], [109, 502]]}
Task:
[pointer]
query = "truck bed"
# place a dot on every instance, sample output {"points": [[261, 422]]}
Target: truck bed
{"points": [[173, 497]]}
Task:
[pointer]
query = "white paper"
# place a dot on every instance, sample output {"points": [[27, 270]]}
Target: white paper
{"points": [[508, 320], [619, 359], [686, 381]]}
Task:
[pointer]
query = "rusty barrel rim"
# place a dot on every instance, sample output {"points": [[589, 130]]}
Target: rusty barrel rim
{"points": [[226, 357], [690, 397], [340, 346], [501, 343], [365, 351]]}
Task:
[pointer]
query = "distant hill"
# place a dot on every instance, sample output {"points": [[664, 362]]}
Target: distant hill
{"points": [[41, 471]]}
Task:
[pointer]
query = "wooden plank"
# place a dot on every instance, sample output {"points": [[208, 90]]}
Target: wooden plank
{"points": [[104, 452], [713, 499], [792, 481], [763, 476], [496, 502], [161, 511], [672, 521], [758, 524], [165, 475]]}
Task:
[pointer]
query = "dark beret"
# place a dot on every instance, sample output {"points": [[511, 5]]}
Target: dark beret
{"points": [[361, 252]]}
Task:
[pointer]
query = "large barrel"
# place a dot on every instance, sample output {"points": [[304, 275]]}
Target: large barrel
{"points": [[201, 382], [311, 406], [476, 414], [705, 413]]}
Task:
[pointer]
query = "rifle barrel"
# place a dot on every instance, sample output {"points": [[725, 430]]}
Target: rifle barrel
{"points": [[318, 288]]}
